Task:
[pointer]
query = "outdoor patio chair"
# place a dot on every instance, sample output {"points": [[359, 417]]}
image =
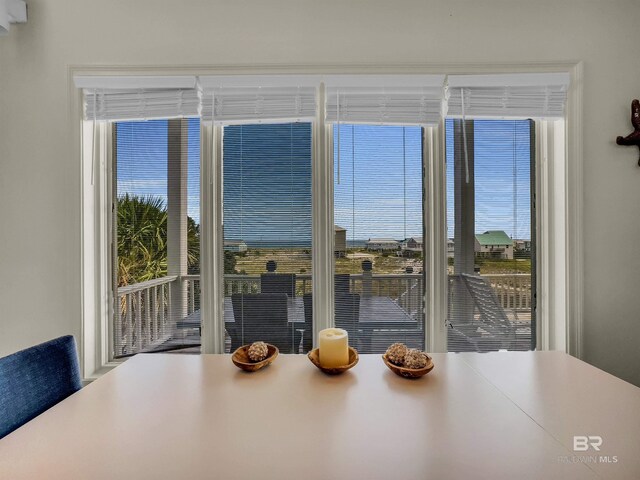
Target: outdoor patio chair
{"points": [[35, 379], [494, 330], [347, 316], [305, 341], [278, 283], [260, 317], [342, 283]]}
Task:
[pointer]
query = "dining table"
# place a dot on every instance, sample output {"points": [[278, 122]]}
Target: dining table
{"points": [[375, 312], [500, 415]]}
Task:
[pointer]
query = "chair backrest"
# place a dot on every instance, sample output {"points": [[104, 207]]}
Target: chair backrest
{"points": [[307, 339], [261, 317], [485, 299], [35, 379], [342, 283], [347, 312], [278, 283]]}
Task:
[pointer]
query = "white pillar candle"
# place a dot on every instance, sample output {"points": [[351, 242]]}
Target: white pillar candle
{"points": [[334, 347]]}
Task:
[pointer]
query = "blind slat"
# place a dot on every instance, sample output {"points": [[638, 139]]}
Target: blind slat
{"points": [[247, 105], [140, 104], [388, 106], [507, 96]]}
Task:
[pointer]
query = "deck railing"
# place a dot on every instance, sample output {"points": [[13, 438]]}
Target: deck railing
{"points": [[193, 292], [144, 317], [513, 290]]}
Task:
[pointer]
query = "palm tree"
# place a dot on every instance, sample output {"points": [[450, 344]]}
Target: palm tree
{"points": [[142, 239]]}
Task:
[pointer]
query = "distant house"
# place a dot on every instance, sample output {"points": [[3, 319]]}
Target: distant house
{"points": [[522, 245], [494, 244], [382, 244], [235, 246], [411, 246], [340, 243], [450, 247], [414, 243]]}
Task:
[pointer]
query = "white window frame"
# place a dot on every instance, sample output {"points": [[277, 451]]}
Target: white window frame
{"points": [[560, 290]]}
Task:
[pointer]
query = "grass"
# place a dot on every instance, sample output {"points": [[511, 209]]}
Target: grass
{"points": [[520, 265], [253, 262]]}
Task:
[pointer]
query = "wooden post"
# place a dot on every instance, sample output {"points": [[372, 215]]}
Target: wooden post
{"points": [[367, 266], [464, 233], [177, 162]]}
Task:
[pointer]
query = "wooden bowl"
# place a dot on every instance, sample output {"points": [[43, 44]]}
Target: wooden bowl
{"points": [[314, 356], [241, 360], [409, 372]]}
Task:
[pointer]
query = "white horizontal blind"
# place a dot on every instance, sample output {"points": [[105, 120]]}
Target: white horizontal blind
{"points": [[402, 107], [235, 106], [385, 100], [156, 202], [538, 95], [378, 213], [140, 104], [236, 100], [267, 235], [491, 234], [138, 98]]}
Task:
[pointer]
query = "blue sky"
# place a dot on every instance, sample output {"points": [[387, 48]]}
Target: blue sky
{"points": [[502, 177], [380, 173], [142, 161], [379, 193]]}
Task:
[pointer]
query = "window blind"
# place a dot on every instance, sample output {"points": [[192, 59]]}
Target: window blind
{"points": [[138, 98], [267, 235], [385, 100], [156, 236], [491, 231], [234, 100], [531, 95], [378, 212]]}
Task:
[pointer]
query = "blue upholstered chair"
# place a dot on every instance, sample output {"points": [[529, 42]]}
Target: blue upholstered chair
{"points": [[35, 379]]}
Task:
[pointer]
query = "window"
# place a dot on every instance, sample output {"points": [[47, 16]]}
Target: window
{"points": [[379, 252], [267, 235], [490, 175], [312, 193], [156, 236]]}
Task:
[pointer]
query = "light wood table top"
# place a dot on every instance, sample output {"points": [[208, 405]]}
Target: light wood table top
{"points": [[493, 415]]}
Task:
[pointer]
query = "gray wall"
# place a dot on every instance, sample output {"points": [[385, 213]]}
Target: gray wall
{"points": [[39, 178]]}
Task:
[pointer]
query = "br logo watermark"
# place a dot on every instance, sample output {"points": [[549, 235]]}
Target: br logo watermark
{"points": [[583, 443], [587, 443]]}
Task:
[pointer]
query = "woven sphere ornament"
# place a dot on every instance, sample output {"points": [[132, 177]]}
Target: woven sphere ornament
{"points": [[415, 359], [258, 351], [396, 353]]}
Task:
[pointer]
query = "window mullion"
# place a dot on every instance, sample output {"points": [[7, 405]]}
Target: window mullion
{"points": [[322, 222], [211, 257], [435, 246]]}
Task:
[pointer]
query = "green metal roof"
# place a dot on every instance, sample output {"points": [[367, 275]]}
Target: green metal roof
{"points": [[494, 237]]}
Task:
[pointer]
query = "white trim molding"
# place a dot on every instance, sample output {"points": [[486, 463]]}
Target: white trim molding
{"points": [[574, 194], [211, 239], [435, 223], [322, 229], [95, 344]]}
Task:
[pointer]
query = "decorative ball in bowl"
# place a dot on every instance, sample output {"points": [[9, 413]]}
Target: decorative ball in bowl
{"points": [[314, 356], [245, 359], [407, 362]]}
